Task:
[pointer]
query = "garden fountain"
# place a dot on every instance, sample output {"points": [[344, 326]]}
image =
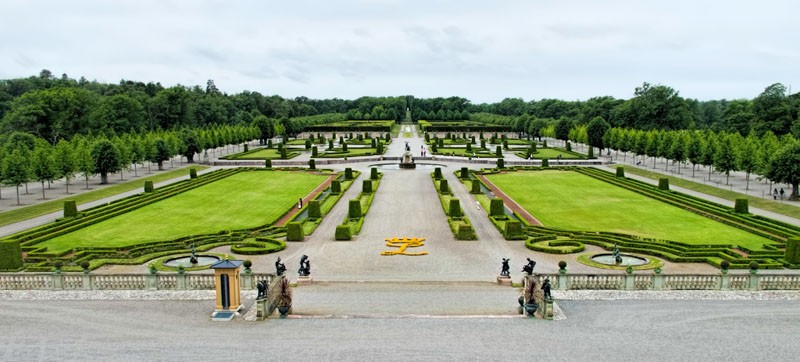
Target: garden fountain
{"points": [[407, 161], [617, 259], [192, 260]]}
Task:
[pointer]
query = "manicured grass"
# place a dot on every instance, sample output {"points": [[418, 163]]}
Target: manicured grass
{"points": [[21, 214], [408, 135], [572, 201], [479, 152], [261, 154], [351, 152], [243, 200], [756, 202], [552, 153]]}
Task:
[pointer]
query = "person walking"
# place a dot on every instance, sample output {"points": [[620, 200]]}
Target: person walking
{"points": [[781, 192]]}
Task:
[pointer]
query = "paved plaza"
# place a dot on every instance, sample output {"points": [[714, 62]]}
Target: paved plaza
{"points": [[365, 306]]}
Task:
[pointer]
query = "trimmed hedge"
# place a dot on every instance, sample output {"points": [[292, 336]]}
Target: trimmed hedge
{"points": [[741, 206], [314, 151], [367, 186], [10, 255], [443, 187], [498, 151], [545, 162], [294, 231], [464, 173], [314, 211], [501, 163], [148, 186], [437, 173], [455, 208], [312, 164], [793, 250], [465, 232], [343, 232], [70, 208], [259, 246], [268, 163], [193, 171], [348, 173], [513, 230], [496, 207], [663, 184], [620, 171], [476, 187], [373, 173], [354, 210], [336, 187]]}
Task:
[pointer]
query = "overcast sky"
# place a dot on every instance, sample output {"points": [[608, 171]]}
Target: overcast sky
{"points": [[482, 50]]}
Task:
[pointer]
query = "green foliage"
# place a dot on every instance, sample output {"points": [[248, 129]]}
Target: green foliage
{"points": [[373, 173], [590, 154], [343, 232], [569, 147], [192, 173], [437, 173], [312, 164], [283, 153], [354, 210], [501, 163], [792, 250], [348, 173], [314, 151], [10, 255], [294, 231], [366, 186], [308, 143], [148, 186], [513, 230], [562, 265], [663, 183], [268, 163], [443, 187], [314, 211], [464, 173], [620, 171], [465, 232], [741, 206], [70, 208], [258, 246], [455, 209], [476, 187], [498, 151], [496, 207], [545, 162], [106, 159], [336, 187]]}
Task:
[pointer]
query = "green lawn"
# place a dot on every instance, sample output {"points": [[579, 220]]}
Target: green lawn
{"points": [[17, 215], [243, 200], [572, 201], [479, 152], [351, 152], [552, 154], [261, 154]]}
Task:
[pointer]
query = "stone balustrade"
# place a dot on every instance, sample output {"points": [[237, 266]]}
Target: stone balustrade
{"points": [[81, 281]]}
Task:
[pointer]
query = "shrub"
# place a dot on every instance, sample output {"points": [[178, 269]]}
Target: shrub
{"points": [[465, 232], [443, 187], [308, 143], [793, 250], [348, 173], [148, 186], [283, 153], [455, 208], [483, 143], [590, 155], [379, 149], [663, 184], [437, 173], [10, 255], [314, 211], [343, 232], [513, 230], [620, 171], [544, 144], [268, 163], [569, 147], [314, 151], [344, 147], [505, 144], [70, 208], [312, 164], [85, 265], [354, 211], [373, 173], [247, 263], [388, 137], [501, 163], [367, 187], [192, 173], [562, 265], [533, 147], [294, 231], [496, 207], [330, 144], [464, 172], [498, 151], [545, 163], [374, 143], [724, 265], [269, 143], [246, 147], [476, 187], [336, 187], [469, 147], [741, 206], [753, 265]]}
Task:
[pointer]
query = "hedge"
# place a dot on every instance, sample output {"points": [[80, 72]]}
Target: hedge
{"points": [[437, 173], [620, 171], [793, 250], [312, 164], [268, 163], [501, 163], [741, 206], [193, 171], [148, 186], [367, 187], [294, 231], [259, 246], [663, 184], [373, 173], [455, 208], [70, 208], [465, 232], [336, 187], [348, 173], [513, 230], [545, 162], [443, 187], [496, 207], [464, 173], [354, 210], [314, 211], [10, 255], [343, 232], [476, 187]]}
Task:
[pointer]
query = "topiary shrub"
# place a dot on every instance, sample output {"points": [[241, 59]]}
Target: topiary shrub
{"points": [[505, 144], [793, 250], [476, 187], [469, 147], [294, 231], [330, 144], [663, 184], [366, 187], [496, 207], [336, 187], [70, 208], [308, 143], [501, 163], [741, 206], [464, 173], [443, 187], [562, 265], [348, 173], [465, 232], [344, 147], [620, 171], [724, 265], [246, 147], [545, 163], [753, 266], [85, 266], [379, 149], [590, 155], [10, 255], [192, 173], [483, 143], [455, 208], [314, 151], [314, 211], [269, 143], [569, 147], [268, 163], [343, 232], [513, 230], [498, 151], [283, 153], [312, 164], [148, 186], [437, 173], [373, 173], [354, 210]]}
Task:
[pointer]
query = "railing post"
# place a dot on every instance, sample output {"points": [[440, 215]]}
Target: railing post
{"points": [[152, 281], [86, 281], [753, 281], [247, 281], [658, 282], [563, 284], [725, 282], [180, 281], [58, 281], [628, 281]]}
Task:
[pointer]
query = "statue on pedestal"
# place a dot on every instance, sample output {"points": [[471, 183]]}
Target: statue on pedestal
{"points": [[504, 271], [528, 269], [546, 289], [279, 267], [305, 266], [262, 289], [615, 254]]}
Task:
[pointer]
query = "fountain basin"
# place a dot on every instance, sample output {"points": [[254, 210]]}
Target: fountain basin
{"points": [[397, 166], [627, 260], [202, 260]]}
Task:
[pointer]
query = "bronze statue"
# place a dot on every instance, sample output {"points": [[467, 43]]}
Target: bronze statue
{"points": [[305, 266], [546, 289], [615, 254], [279, 267], [528, 269], [504, 271], [262, 289]]}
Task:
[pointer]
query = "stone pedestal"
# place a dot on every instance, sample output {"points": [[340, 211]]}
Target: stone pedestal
{"points": [[261, 309], [305, 280], [504, 280], [152, 282], [548, 309], [562, 281]]}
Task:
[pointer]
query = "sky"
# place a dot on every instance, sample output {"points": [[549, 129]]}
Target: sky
{"points": [[484, 51]]}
